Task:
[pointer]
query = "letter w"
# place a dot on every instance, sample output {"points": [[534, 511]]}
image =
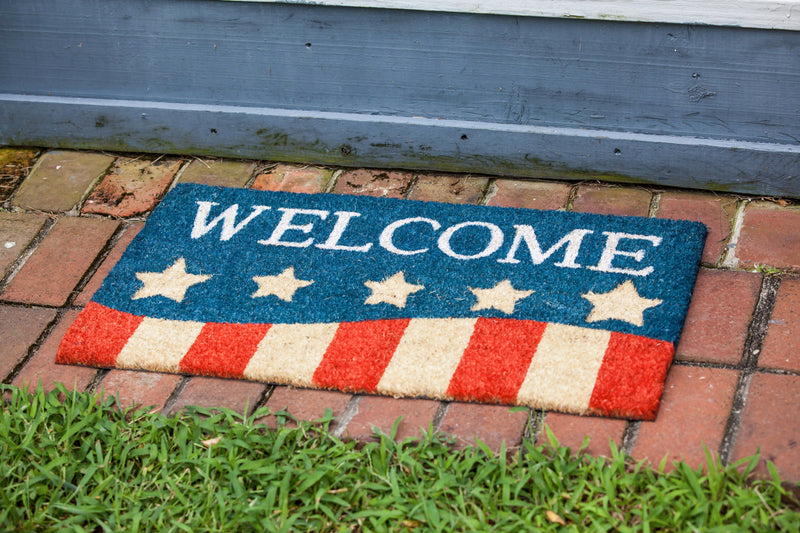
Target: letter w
{"points": [[228, 218], [572, 240]]}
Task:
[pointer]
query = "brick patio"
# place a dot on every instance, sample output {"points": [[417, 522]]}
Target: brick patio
{"points": [[734, 387]]}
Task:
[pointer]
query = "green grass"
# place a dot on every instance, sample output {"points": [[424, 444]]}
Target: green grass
{"points": [[73, 463], [766, 269]]}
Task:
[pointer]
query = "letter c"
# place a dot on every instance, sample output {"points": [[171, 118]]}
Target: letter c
{"points": [[495, 240], [388, 233]]}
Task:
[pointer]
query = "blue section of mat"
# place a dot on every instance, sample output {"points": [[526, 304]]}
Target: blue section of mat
{"points": [[455, 248]]}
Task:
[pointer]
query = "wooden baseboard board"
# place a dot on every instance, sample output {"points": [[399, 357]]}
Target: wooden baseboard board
{"points": [[675, 105]]}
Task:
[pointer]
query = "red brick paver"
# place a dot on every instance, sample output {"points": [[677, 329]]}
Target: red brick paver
{"points": [[218, 173], [108, 263], [770, 236], [380, 413], [491, 424], [241, 396], [293, 178], [781, 347], [42, 366], [572, 430], [382, 183], [716, 212], [694, 411], [448, 188], [529, 194], [139, 389], [19, 329], [132, 187], [769, 423], [17, 230], [606, 200], [698, 402], [61, 180], [719, 316], [305, 404], [60, 261]]}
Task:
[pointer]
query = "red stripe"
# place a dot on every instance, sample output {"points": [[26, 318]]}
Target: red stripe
{"points": [[97, 336], [631, 378], [359, 353], [496, 361], [223, 349]]}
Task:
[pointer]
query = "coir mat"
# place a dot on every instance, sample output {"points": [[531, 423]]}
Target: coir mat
{"points": [[554, 310]]}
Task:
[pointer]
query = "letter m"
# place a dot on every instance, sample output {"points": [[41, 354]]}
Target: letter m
{"points": [[572, 241], [227, 217]]}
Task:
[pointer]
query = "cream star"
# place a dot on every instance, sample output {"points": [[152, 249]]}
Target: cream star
{"points": [[283, 285], [394, 290], [172, 283], [503, 297], [622, 303]]}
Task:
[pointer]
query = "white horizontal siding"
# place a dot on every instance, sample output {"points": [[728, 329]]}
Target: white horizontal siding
{"points": [[768, 14]]}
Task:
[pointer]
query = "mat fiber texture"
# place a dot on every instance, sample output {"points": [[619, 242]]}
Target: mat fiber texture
{"points": [[562, 311]]}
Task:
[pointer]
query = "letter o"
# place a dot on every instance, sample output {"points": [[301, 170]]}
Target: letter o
{"points": [[495, 241]]}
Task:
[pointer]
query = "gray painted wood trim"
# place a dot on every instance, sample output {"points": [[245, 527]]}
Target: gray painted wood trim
{"points": [[704, 107], [368, 140]]}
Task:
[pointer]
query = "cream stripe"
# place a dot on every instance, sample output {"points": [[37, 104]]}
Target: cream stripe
{"points": [[290, 353], [427, 357], [564, 368], [159, 344]]}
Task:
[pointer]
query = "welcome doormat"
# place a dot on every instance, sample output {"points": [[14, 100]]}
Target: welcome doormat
{"points": [[561, 311]]}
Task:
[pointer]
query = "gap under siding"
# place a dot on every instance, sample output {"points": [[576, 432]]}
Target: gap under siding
{"points": [[767, 14]]}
